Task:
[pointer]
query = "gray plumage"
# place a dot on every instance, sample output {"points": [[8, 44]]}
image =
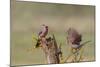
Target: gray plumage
{"points": [[73, 37]]}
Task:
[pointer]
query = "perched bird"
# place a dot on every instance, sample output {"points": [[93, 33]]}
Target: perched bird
{"points": [[73, 38], [42, 34]]}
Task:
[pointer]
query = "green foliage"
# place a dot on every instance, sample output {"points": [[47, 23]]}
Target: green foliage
{"points": [[35, 40]]}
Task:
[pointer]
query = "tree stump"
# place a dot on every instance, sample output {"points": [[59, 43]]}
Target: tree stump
{"points": [[51, 50]]}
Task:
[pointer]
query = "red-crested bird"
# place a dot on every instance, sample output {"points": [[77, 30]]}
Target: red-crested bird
{"points": [[73, 38]]}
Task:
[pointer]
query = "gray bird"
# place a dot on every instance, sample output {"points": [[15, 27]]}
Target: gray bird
{"points": [[73, 38]]}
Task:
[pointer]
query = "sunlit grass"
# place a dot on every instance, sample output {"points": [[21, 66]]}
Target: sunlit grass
{"points": [[24, 53]]}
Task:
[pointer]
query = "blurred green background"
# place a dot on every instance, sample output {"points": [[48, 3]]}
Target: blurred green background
{"points": [[27, 17]]}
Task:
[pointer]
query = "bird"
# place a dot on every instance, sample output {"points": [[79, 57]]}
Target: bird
{"points": [[42, 34], [74, 38]]}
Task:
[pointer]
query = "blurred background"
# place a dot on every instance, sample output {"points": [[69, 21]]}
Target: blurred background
{"points": [[27, 17]]}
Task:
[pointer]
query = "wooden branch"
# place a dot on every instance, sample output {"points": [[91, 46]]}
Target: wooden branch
{"points": [[50, 49]]}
